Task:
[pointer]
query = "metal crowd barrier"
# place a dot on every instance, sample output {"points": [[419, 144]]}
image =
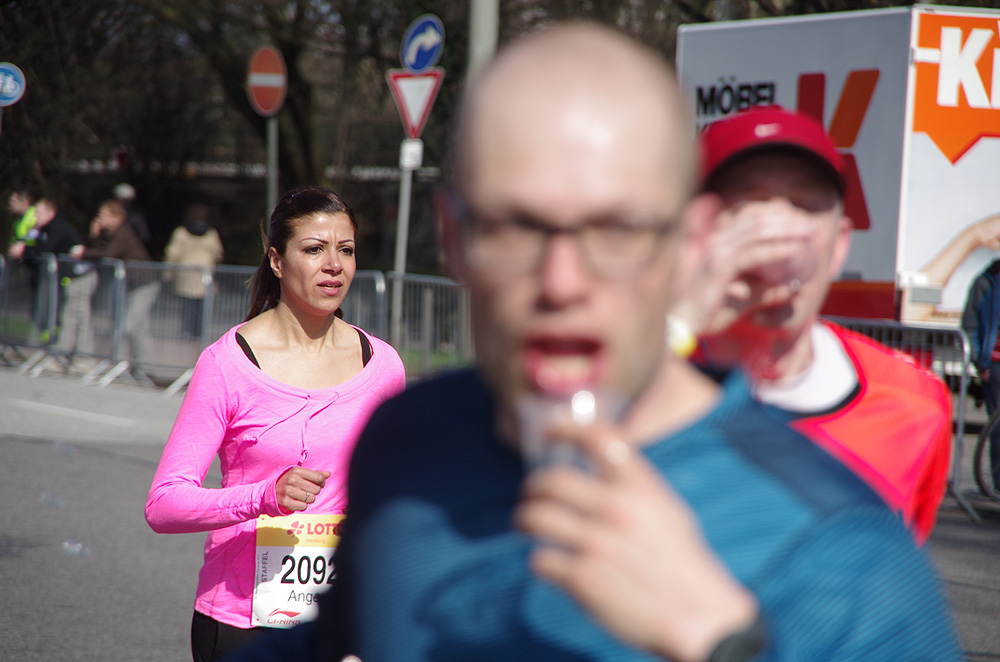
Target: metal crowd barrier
{"points": [[226, 301], [145, 321], [30, 304], [943, 351], [232, 298], [41, 306], [365, 307], [85, 337], [4, 347], [106, 306], [365, 304], [149, 318], [433, 332]]}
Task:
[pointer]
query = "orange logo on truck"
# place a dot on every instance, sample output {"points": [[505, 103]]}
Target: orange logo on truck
{"points": [[844, 127], [957, 89]]}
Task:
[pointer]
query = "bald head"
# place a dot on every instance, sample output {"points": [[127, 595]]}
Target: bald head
{"points": [[574, 164], [581, 92]]}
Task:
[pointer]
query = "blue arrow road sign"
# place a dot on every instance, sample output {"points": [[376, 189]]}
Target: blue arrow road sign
{"points": [[422, 44], [11, 84]]}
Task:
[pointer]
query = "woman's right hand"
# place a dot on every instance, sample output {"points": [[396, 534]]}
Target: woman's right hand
{"points": [[298, 487]]}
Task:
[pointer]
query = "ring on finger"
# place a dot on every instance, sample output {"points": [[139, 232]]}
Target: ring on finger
{"points": [[616, 452]]}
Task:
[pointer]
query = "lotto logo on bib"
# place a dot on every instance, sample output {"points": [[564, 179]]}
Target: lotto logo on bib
{"points": [[301, 532], [294, 566]]}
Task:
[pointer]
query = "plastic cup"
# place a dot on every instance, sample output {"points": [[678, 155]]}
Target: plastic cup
{"points": [[792, 271], [536, 413]]}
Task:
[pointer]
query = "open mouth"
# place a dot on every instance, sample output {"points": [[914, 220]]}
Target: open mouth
{"points": [[563, 365]]}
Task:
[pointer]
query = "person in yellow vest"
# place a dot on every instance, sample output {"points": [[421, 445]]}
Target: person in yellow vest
{"points": [[22, 204], [24, 239]]}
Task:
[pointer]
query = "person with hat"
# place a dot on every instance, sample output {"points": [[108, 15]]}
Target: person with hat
{"points": [[782, 238]]}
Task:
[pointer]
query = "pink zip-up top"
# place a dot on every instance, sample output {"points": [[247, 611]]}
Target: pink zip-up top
{"points": [[259, 428]]}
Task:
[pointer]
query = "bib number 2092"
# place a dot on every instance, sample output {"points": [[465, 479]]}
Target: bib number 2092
{"points": [[314, 570]]}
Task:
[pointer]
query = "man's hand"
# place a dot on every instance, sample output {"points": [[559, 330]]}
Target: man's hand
{"points": [[16, 250], [758, 255], [298, 487], [629, 549]]}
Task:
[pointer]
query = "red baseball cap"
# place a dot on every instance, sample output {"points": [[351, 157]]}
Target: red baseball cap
{"points": [[766, 127]]}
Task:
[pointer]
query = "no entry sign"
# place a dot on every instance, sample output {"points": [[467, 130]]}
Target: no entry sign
{"points": [[267, 80]]}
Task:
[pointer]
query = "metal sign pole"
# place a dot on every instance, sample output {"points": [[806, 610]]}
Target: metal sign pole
{"points": [[419, 51], [484, 16], [267, 84], [399, 266], [272, 164]]}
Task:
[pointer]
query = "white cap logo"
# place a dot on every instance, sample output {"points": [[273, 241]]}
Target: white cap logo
{"points": [[766, 130]]}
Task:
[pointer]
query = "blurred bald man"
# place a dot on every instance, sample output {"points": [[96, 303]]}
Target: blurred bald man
{"points": [[687, 525]]}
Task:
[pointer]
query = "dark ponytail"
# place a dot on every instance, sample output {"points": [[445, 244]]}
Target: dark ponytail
{"points": [[265, 287]]}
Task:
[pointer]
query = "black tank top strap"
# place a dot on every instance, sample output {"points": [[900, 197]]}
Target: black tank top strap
{"points": [[245, 346], [366, 348]]}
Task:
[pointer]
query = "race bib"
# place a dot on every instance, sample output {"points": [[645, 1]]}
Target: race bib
{"points": [[294, 565]]}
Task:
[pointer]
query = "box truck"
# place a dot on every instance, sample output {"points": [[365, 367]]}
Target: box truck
{"points": [[911, 98]]}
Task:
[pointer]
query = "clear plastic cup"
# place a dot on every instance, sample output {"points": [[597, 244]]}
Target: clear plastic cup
{"points": [[538, 412], [792, 271]]}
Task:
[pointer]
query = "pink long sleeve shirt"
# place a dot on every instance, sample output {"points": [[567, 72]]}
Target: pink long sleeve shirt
{"points": [[259, 428]]}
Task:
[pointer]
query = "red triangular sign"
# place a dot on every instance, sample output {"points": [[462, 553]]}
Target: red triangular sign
{"points": [[414, 95]]}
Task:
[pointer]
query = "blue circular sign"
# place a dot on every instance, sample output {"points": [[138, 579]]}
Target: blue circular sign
{"points": [[422, 44], [11, 84]]}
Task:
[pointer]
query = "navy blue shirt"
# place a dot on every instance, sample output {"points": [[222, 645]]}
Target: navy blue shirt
{"points": [[429, 567]]}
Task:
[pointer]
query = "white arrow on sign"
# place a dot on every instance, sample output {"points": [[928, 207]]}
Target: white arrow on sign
{"points": [[414, 95]]}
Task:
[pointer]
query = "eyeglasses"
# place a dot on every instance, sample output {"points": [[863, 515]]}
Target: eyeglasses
{"points": [[516, 246]]}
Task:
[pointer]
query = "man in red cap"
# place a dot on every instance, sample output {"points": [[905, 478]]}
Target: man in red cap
{"points": [[780, 241]]}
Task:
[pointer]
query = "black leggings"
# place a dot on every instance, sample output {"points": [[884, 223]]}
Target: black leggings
{"points": [[212, 640]]}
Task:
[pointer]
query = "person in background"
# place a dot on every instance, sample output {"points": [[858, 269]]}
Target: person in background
{"points": [[22, 204], [77, 279], [780, 242], [193, 244], [980, 321], [668, 516], [280, 399], [51, 232], [112, 237], [125, 194]]}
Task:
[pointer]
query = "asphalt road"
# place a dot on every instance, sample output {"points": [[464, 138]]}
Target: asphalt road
{"points": [[83, 578]]}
